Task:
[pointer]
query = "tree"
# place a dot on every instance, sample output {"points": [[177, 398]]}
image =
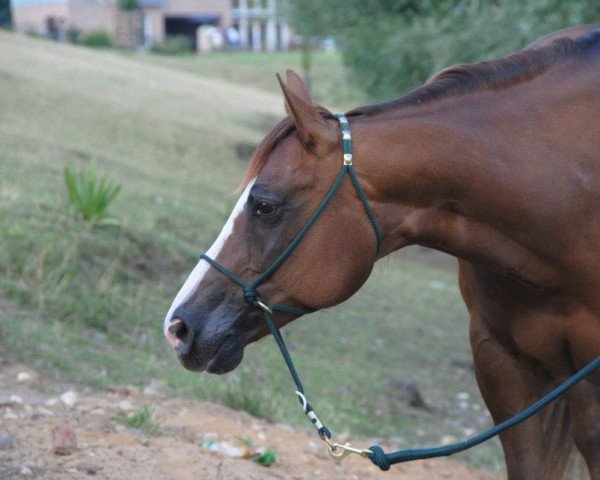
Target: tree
{"points": [[391, 46], [5, 15]]}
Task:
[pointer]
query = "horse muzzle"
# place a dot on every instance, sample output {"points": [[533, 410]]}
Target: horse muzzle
{"points": [[215, 346]]}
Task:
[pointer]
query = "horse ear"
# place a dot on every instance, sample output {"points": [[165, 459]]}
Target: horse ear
{"points": [[315, 132]]}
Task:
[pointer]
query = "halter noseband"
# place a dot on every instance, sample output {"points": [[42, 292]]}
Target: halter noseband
{"points": [[252, 297]]}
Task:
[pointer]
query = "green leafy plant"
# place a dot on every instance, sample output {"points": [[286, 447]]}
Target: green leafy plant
{"points": [[267, 458], [90, 195], [142, 420]]}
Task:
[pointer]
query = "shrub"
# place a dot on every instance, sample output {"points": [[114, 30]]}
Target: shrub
{"points": [[128, 5], [90, 195], [97, 39], [173, 45]]}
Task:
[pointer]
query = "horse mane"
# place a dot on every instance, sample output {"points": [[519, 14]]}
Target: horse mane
{"points": [[497, 74], [455, 80]]}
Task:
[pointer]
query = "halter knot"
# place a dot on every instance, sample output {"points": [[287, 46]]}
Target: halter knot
{"points": [[251, 296], [379, 458]]}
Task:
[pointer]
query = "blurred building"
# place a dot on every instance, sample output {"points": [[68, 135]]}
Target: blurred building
{"points": [[244, 24]]}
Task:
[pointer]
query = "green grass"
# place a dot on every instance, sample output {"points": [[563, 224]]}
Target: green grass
{"points": [[86, 305], [330, 85], [141, 420]]}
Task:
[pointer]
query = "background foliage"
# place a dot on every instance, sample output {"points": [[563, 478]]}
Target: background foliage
{"points": [[391, 46], [5, 16]]}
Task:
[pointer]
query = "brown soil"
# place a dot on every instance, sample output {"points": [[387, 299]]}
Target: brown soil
{"points": [[109, 450]]}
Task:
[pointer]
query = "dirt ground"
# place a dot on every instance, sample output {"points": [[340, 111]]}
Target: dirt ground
{"points": [[193, 440]]}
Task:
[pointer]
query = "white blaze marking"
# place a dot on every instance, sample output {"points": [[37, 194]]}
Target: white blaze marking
{"points": [[193, 281]]}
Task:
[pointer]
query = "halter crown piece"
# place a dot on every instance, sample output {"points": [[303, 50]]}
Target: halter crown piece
{"points": [[375, 453]]}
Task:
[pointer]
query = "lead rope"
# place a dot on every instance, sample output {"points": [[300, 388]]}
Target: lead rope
{"points": [[375, 453]]}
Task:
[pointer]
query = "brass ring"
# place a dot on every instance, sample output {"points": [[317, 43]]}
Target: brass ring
{"points": [[264, 307]]}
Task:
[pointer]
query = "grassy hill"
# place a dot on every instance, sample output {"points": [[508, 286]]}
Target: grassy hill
{"points": [[86, 305]]}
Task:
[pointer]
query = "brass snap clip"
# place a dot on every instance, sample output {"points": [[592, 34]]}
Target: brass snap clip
{"points": [[338, 451]]}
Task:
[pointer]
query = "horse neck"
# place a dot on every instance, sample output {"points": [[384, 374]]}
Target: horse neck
{"points": [[435, 181]]}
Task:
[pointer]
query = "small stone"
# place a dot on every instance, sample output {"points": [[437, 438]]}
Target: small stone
{"points": [[447, 440], [125, 405], [6, 441], [25, 471], [122, 390], [408, 391], [156, 388], [88, 468], [69, 398], [462, 396], [16, 399], [10, 415], [24, 377], [100, 337], [44, 412], [64, 441], [51, 402]]}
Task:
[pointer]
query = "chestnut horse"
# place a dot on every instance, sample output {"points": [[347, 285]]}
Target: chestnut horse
{"points": [[496, 163]]}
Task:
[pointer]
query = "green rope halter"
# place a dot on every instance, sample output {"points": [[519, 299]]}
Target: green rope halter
{"points": [[375, 453]]}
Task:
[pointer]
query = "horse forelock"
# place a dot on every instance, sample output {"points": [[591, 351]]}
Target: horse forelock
{"points": [[276, 135], [493, 74], [260, 156]]}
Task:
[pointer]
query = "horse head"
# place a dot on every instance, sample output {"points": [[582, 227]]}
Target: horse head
{"points": [[210, 322]]}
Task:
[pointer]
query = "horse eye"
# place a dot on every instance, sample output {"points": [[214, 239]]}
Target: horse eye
{"points": [[264, 208]]}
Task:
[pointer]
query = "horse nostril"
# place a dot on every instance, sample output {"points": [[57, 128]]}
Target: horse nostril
{"points": [[178, 331]]}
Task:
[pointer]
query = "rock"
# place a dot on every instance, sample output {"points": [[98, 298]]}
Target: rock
{"points": [[125, 405], [122, 390], [16, 399], [88, 468], [24, 377], [69, 398], [25, 471], [233, 451], [463, 396], [156, 388], [10, 415], [44, 412], [407, 391], [6, 441], [64, 441], [100, 337]]}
